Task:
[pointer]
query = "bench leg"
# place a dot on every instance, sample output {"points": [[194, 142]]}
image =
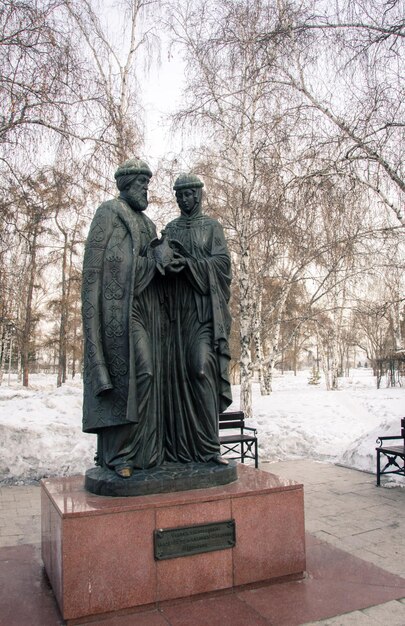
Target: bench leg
{"points": [[242, 449], [378, 468], [256, 456]]}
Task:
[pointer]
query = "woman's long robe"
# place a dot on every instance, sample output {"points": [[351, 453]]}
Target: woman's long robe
{"points": [[196, 348]]}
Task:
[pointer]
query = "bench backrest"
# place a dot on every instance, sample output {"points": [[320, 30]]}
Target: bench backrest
{"points": [[232, 419]]}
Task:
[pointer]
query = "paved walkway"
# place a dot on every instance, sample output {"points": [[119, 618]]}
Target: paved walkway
{"points": [[20, 515], [343, 507]]}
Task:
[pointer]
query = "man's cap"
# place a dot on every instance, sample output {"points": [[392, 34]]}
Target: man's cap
{"points": [[133, 167]]}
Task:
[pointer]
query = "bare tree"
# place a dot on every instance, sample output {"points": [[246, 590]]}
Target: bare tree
{"points": [[66, 201], [378, 310], [225, 97], [31, 226], [115, 60], [39, 78], [346, 62], [271, 162]]}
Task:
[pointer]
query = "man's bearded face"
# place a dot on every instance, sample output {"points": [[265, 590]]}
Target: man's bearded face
{"points": [[137, 193]]}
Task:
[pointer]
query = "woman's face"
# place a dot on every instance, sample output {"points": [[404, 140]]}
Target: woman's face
{"points": [[186, 200]]}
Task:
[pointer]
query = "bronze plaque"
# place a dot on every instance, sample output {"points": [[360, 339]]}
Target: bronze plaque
{"points": [[171, 543]]}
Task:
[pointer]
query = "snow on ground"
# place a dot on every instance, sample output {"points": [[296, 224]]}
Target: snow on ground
{"points": [[40, 427], [40, 431]]}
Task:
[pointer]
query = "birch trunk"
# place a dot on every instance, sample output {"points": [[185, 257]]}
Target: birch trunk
{"points": [[27, 330], [245, 336], [61, 377], [334, 363], [257, 339], [274, 343], [10, 357], [3, 356], [323, 360], [395, 316], [268, 378], [19, 366]]}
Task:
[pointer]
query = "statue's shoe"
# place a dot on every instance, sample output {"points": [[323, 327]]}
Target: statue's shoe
{"points": [[220, 460], [124, 472]]}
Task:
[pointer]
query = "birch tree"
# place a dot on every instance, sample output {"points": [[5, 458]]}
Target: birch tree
{"points": [[346, 63], [379, 308], [293, 188], [7, 328], [115, 55], [40, 80], [225, 98], [65, 200], [32, 225]]}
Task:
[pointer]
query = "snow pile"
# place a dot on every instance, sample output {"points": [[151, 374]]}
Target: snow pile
{"points": [[40, 431], [40, 427]]}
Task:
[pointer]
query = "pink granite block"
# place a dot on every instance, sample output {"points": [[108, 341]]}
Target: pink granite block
{"points": [[199, 573], [46, 530], [98, 551], [270, 536], [108, 563], [51, 532]]}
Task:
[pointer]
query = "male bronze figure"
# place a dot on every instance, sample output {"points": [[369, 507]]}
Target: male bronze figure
{"points": [[121, 320]]}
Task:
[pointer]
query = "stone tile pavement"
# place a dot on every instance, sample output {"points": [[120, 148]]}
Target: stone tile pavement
{"points": [[20, 515], [343, 507]]}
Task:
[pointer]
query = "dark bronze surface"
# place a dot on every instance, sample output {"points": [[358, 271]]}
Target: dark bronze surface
{"points": [[156, 325], [171, 543], [162, 479]]}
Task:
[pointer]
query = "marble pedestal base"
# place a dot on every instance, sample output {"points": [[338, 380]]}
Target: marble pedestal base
{"points": [[99, 556]]}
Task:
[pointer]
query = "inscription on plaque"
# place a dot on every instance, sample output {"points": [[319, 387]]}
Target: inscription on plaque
{"points": [[187, 540]]}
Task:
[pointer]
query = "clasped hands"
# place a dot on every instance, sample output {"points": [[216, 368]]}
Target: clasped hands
{"points": [[177, 264], [169, 255]]}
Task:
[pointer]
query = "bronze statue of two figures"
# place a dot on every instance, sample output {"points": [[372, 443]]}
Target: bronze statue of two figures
{"points": [[156, 328]]}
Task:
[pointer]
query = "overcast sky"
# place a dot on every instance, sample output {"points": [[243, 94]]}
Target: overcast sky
{"points": [[161, 95]]}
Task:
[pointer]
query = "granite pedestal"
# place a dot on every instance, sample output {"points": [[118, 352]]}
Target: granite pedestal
{"points": [[98, 551]]}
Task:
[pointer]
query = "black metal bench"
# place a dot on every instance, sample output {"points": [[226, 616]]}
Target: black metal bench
{"points": [[394, 456], [240, 444]]}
